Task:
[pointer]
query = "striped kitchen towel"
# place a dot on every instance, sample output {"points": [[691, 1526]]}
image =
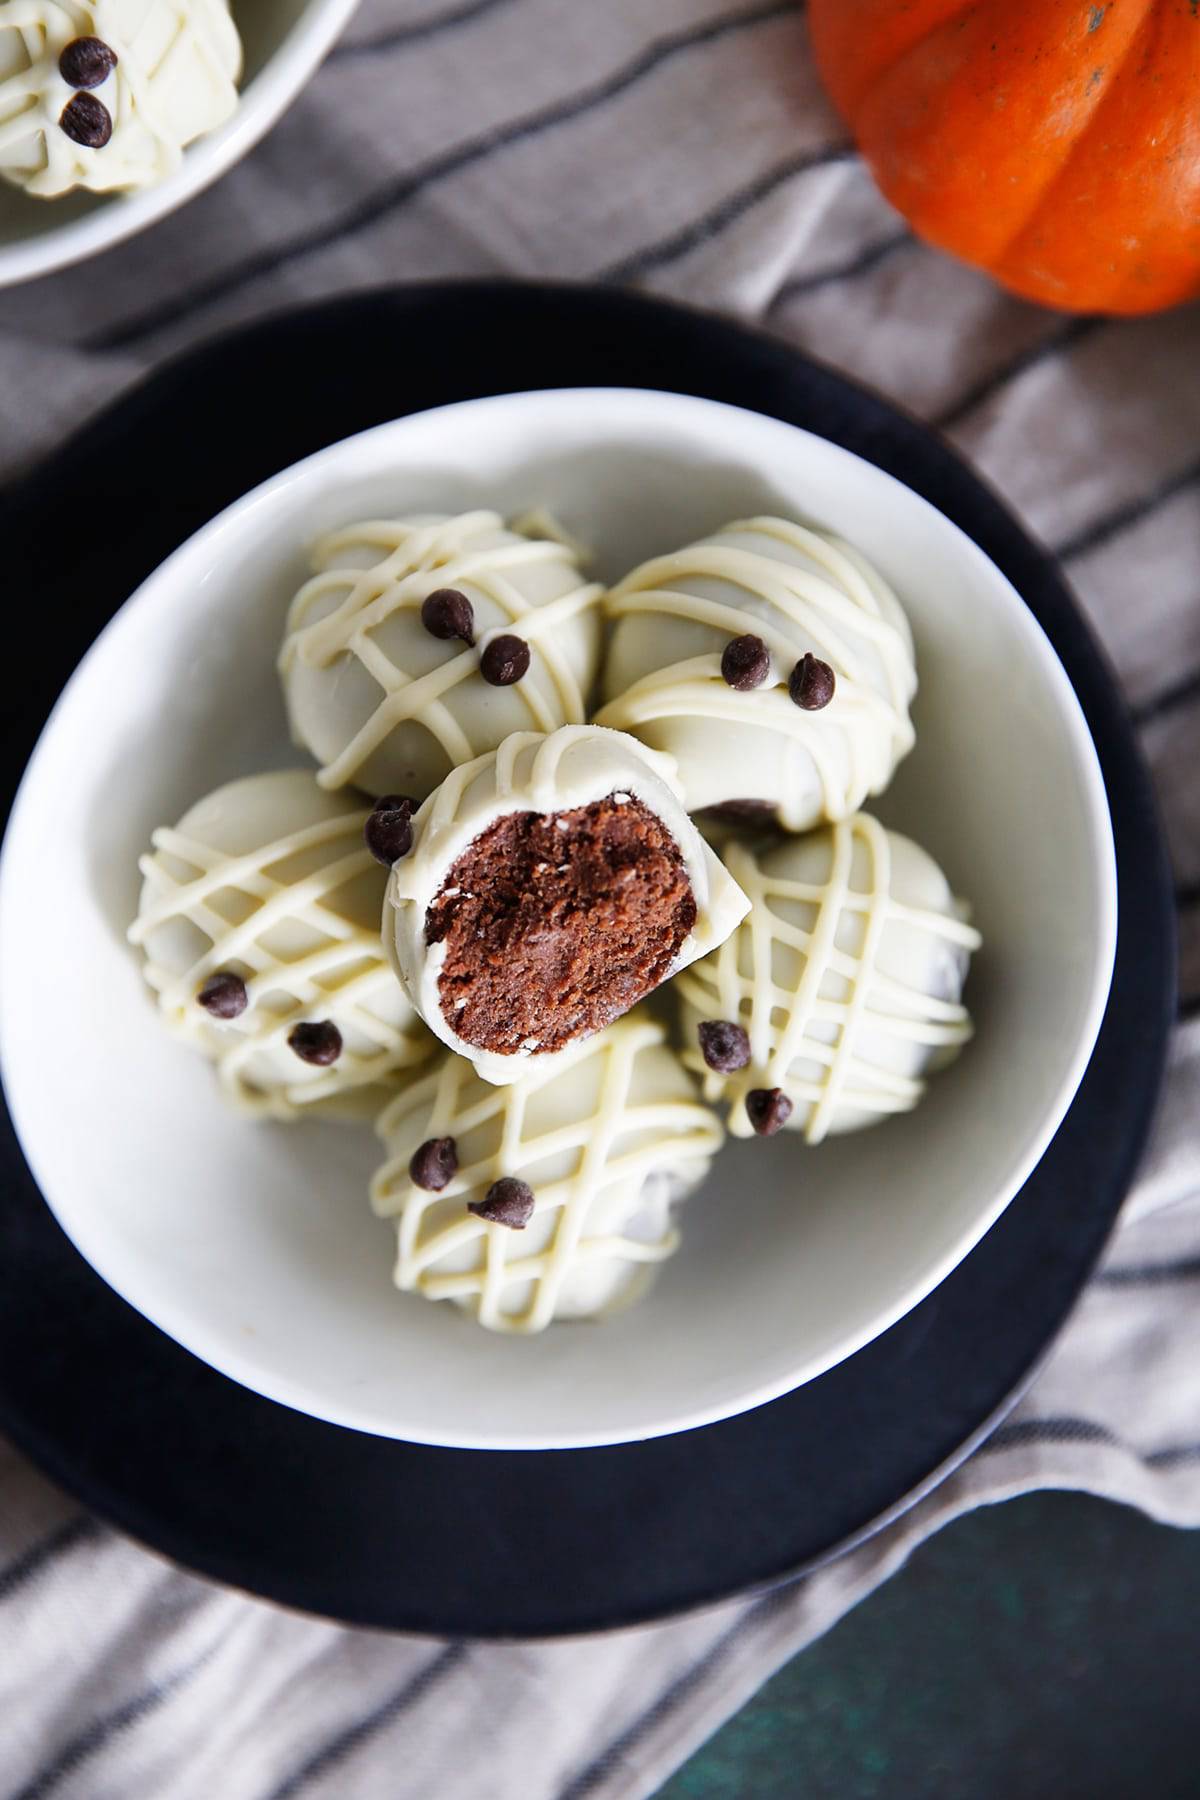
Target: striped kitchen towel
{"points": [[683, 146]]}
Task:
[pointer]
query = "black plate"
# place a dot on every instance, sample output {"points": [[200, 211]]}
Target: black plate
{"points": [[511, 1543]]}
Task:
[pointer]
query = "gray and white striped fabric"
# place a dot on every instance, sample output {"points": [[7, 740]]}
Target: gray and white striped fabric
{"points": [[685, 146]]}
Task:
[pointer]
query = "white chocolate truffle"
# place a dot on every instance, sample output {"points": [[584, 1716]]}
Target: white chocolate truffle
{"points": [[177, 64], [624, 893], [609, 1137], [846, 978], [382, 702], [268, 880], [800, 591]]}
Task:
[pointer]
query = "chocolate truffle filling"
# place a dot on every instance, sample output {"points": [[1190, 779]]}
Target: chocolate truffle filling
{"points": [[557, 923]]}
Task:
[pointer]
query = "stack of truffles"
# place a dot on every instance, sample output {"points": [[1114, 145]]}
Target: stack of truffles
{"points": [[539, 877]]}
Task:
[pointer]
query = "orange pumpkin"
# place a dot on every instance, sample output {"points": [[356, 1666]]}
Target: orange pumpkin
{"points": [[1055, 143]]}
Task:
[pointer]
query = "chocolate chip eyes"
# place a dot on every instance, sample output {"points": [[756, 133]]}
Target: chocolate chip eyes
{"points": [[86, 62], [508, 1201], [746, 664], [447, 613]]}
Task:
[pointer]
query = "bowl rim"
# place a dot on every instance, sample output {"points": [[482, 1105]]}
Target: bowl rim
{"points": [[89, 1238], [261, 103]]}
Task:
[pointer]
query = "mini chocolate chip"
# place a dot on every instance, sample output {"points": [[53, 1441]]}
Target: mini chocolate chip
{"points": [[768, 1110], [388, 831], [318, 1042], [504, 661], [433, 1163], [86, 62], [448, 614], [507, 1202], [745, 663], [811, 683], [724, 1045], [223, 995], [87, 121]]}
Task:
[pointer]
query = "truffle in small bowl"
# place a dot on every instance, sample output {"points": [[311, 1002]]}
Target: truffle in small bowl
{"points": [[112, 115], [254, 1244]]}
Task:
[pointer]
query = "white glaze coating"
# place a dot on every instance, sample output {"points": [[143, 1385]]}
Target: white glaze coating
{"points": [[572, 767], [799, 590], [382, 703], [610, 1136], [847, 975], [269, 877], [176, 79]]}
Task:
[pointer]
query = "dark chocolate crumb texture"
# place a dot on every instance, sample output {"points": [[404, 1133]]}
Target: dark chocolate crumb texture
{"points": [[551, 885], [556, 924]]}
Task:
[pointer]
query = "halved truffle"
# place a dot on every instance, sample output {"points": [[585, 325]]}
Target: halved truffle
{"points": [[551, 886]]}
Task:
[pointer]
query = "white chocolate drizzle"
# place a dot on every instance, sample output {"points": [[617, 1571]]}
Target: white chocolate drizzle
{"points": [[642, 1122], [527, 768], [341, 975], [843, 613], [409, 554], [780, 1019]]}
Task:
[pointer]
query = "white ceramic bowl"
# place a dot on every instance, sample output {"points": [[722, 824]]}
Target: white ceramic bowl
{"points": [[253, 1245], [284, 42]]}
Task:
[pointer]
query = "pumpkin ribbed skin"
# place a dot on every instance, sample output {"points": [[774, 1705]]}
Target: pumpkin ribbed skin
{"points": [[1054, 143]]}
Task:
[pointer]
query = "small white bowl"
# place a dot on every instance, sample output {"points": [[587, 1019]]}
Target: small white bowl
{"points": [[253, 1245], [284, 42]]}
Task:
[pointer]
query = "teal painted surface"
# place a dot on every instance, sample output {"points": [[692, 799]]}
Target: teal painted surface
{"points": [[1046, 1649]]}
